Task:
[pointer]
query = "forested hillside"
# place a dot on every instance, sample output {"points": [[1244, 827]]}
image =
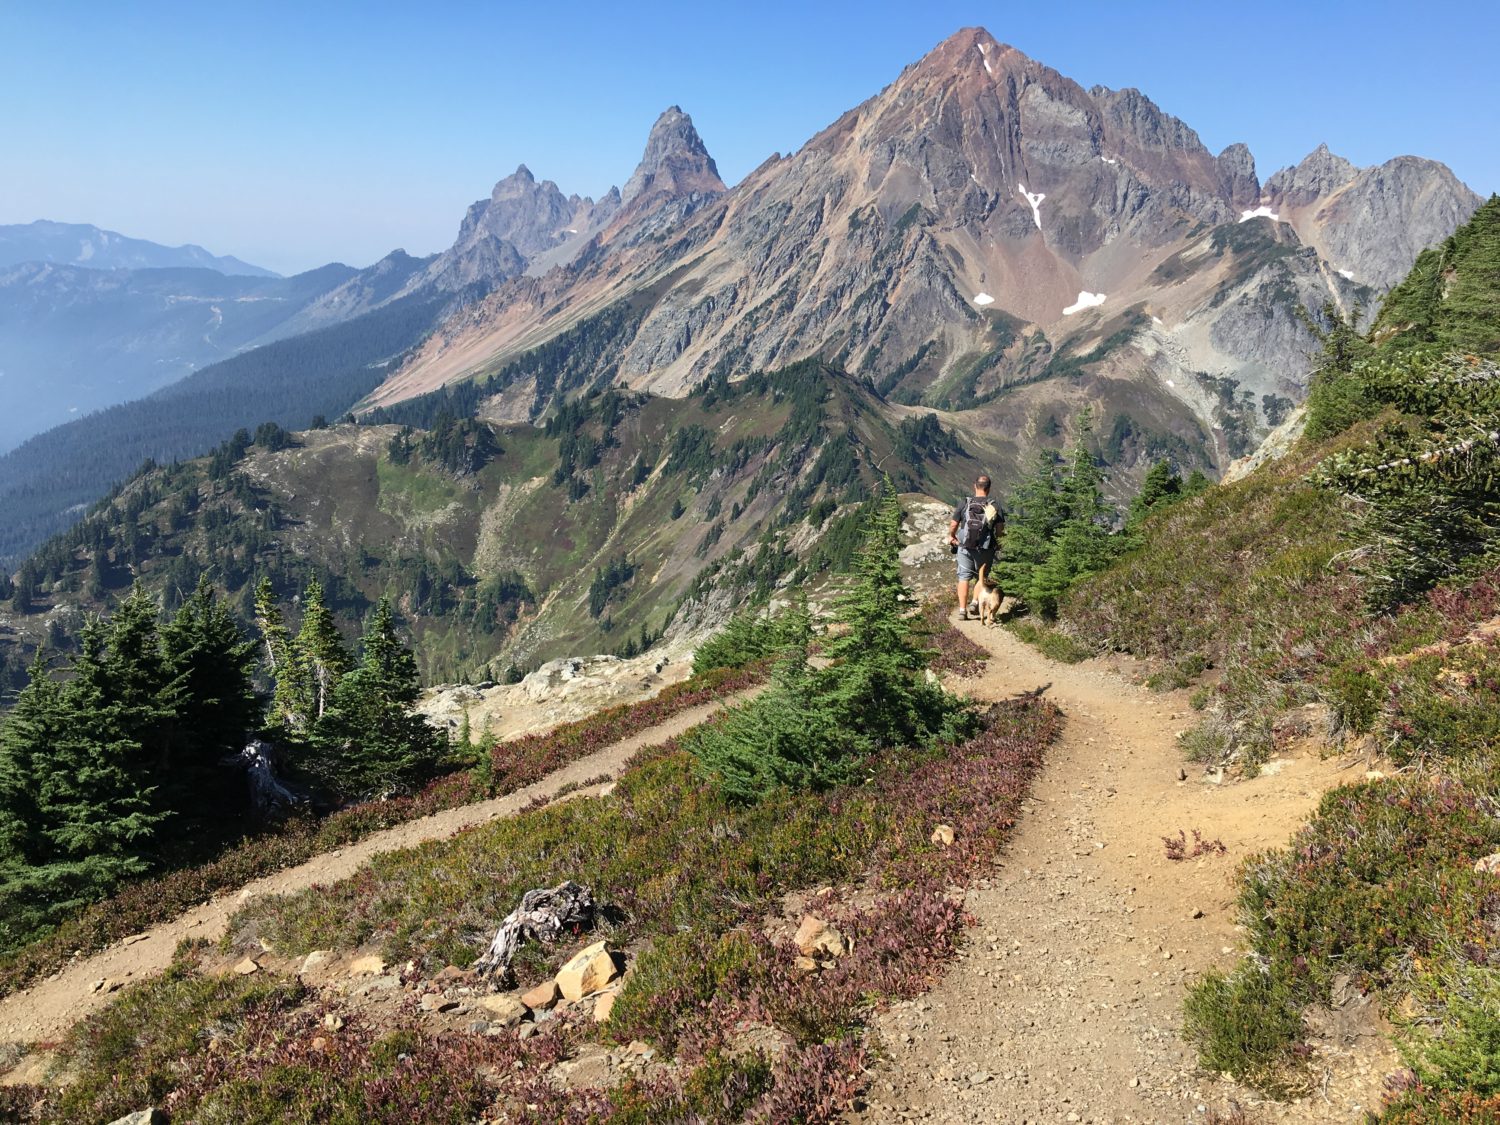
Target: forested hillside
{"points": [[44, 482], [505, 545]]}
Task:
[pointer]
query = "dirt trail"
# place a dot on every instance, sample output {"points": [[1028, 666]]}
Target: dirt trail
{"points": [[48, 1008], [1067, 1002]]}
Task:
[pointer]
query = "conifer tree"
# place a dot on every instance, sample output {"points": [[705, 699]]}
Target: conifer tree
{"points": [[370, 739], [1428, 488], [214, 703], [287, 713], [1161, 488], [28, 738], [813, 727], [1035, 512], [320, 652], [97, 806], [135, 692], [1083, 543], [788, 736]]}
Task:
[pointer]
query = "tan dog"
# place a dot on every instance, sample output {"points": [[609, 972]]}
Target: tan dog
{"points": [[988, 596]]}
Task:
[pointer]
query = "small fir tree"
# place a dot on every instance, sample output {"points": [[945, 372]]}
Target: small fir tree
{"points": [[319, 652], [287, 706], [1035, 512], [1083, 543], [371, 739], [1161, 488]]}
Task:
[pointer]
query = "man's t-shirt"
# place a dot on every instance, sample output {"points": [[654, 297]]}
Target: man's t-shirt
{"points": [[961, 515]]}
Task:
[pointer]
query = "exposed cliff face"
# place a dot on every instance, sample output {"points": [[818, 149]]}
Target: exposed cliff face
{"points": [[1370, 223], [983, 222], [500, 235], [1319, 175], [675, 162]]}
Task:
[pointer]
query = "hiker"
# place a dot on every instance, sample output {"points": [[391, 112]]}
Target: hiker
{"points": [[977, 524]]}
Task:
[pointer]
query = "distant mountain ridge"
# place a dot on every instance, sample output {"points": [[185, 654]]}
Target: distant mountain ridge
{"points": [[975, 231], [82, 244], [983, 237], [74, 340]]}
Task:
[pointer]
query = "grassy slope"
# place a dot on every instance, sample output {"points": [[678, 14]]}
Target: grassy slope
{"points": [[1256, 581]]}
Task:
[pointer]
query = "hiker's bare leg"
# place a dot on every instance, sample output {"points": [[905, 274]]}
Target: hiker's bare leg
{"points": [[963, 596]]}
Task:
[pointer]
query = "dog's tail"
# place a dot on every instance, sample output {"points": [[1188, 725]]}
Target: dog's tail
{"points": [[984, 575]]}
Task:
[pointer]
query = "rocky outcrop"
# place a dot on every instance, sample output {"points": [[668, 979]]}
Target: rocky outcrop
{"points": [[1237, 181], [1370, 223], [980, 200], [499, 236], [675, 162], [1318, 175]]}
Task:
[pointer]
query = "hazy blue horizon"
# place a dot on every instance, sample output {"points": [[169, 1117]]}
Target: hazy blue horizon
{"points": [[291, 137]]}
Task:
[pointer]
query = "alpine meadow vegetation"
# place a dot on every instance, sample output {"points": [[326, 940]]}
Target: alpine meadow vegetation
{"points": [[693, 872], [1359, 573]]}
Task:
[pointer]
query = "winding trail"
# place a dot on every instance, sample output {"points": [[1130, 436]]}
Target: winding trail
{"points": [[45, 1010], [1066, 1004]]}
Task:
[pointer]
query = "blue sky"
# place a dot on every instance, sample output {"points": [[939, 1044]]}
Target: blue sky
{"points": [[296, 134]]}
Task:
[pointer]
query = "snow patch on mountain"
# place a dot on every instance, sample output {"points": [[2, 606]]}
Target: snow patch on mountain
{"points": [[1036, 203], [1086, 300], [1261, 212], [983, 299]]}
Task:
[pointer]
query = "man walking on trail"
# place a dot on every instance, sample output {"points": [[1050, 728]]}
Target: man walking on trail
{"points": [[972, 534]]}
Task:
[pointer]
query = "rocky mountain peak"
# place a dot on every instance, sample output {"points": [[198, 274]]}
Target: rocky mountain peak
{"points": [[1319, 173], [1237, 179], [676, 162]]}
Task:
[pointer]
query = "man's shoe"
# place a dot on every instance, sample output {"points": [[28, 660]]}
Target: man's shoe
{"points": [[963, 615]]}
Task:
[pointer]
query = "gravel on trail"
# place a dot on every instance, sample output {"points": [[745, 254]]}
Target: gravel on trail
{"points": [[1066, 1004]]}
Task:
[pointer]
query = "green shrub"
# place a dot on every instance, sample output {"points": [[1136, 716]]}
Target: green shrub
{"points": [[1446, 709], [1356, 697], [680, 974], [1179, 674], [1246, 1024], [1210, 741], [725, 1086], [1383, 871], [1051, 643], [1463, 1054], [1336, 400], [750, 636]]}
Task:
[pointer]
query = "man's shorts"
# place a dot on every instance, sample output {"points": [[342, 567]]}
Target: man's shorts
{"points": [[969, 563]]}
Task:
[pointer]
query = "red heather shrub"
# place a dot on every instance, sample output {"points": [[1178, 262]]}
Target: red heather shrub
{"points": [[1385, 869], [814, 1084], [1421, 1106], [1464, 604], [975, 787], [955, 654]]}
